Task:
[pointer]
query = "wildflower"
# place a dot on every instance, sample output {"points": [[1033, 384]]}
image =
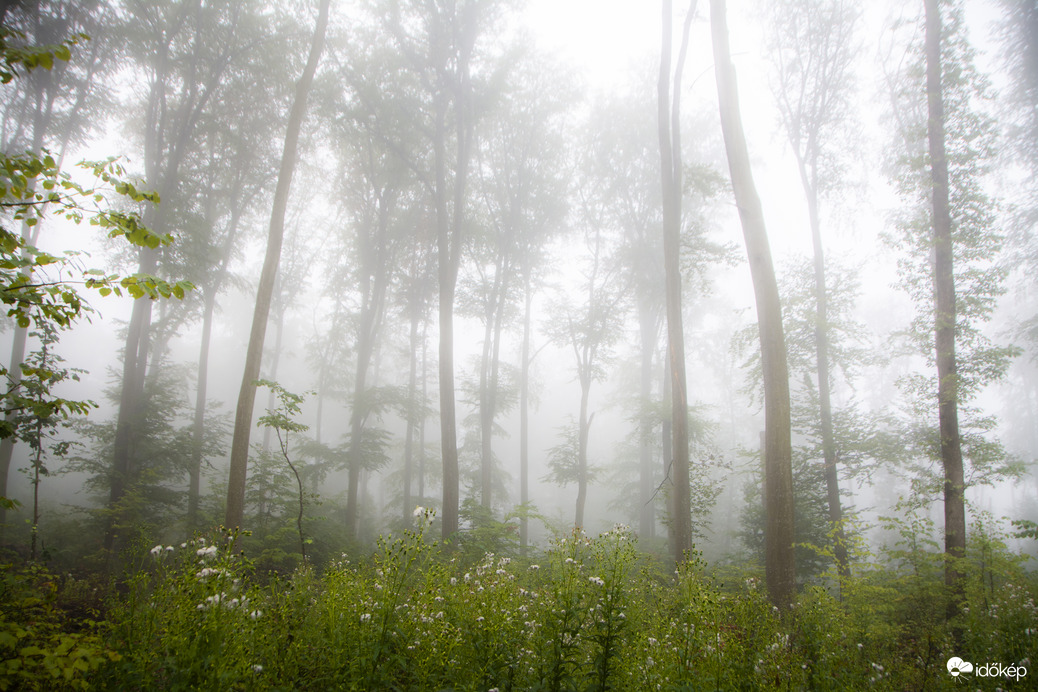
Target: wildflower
{"points": [[365, 617], [156, 552], [652, 642], [570, 561], [418, 512], [597, 581], [454, 581], [206, 553], [257, 668], [535, 567], [256, 615]]}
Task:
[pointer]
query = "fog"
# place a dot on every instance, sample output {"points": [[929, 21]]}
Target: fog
{"points": [[534, 144]]}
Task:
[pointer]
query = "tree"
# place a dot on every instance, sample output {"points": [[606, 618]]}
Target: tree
{"points": [[812, 50], [944, 313], [669, 119], [521, 183], [447, 47], [48, 107], [281, 419], [590, 327], [254, 353], [183, 50], [950, 246], [779, 564]]}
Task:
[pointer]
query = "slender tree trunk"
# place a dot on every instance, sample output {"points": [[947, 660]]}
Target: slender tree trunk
{"points": [[486, 406], [666, 434], [825, 410], [779, 564], [583, 433], [198, 430], [648, 328], [670, 155], [945, 317], [131, 403], [524, 414], [412, 413], [247, 395], [421, 418]]}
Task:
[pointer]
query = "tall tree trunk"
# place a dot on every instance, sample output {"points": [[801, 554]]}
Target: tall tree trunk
{"points": [[779, 563], [648, 329], [486, 396], [825, 409], [198, 431], [945, 317], [412, 412], [254, 354], [670, 155], [524, 412], [583, 432], [131, 402]]}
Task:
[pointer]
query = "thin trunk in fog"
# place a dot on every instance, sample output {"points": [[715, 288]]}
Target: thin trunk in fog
{"points": [[648, 330], [209, 293], [374, 283], [524, 411], [669, 119], [490, 371], [412, 411], [247, 395], [486, 394], [825, 409], [779, 564], [945, 317]]}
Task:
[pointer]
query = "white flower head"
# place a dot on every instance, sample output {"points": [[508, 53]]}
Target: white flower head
{"points": [[156, 552]]}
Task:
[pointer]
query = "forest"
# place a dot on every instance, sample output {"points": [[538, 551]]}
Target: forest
{"points": [[518, 345]]}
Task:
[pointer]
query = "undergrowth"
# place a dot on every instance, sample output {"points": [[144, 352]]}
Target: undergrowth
{"points": [[591, 613]]}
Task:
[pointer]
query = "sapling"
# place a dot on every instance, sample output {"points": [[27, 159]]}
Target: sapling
{"points": [[281, 421]]}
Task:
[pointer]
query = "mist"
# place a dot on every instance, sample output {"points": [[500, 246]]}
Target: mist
{"points": [[407, 259]]}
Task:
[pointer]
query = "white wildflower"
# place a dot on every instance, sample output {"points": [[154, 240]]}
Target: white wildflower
{"points": [[597, 581], [156, 552]]}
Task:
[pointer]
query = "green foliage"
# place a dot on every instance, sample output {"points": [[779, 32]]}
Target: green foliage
{"points": [[19, 58], [40, 647], [589, 614]]}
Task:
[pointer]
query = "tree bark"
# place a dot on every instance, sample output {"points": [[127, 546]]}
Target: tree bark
{"points": [[945, 317], [235, 509], [670, 156], [779, 564]]}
